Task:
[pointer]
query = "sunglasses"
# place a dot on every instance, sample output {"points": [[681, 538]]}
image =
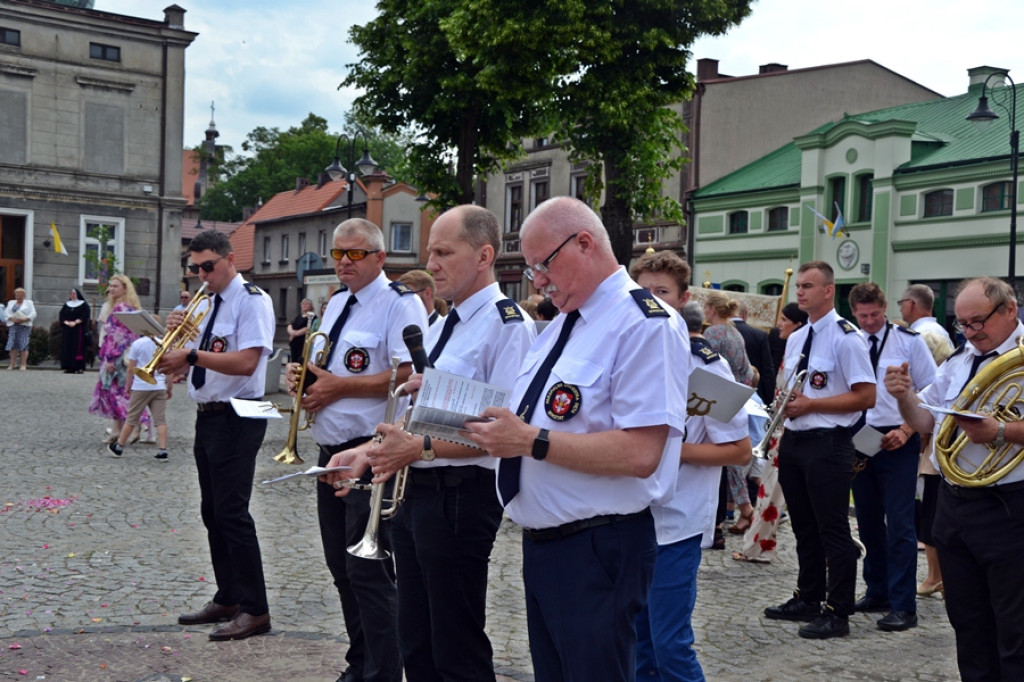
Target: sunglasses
{"points": [[353, 254], [206, 266]]}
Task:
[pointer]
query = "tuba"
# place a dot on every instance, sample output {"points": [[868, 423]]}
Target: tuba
{"points": [[182, 334], [289, 455], [369, 546], [994, 391]]}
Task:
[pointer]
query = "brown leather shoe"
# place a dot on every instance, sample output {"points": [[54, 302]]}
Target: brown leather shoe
{"points": [[210, 613], [244, 625]]}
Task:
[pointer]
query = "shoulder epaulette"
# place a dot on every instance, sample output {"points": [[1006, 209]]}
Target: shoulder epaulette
{"points": [[400, 288], [701, 349], [907, 330], [341, 289], [252, 288], [648, 303], [959, 349], [846, 326], [508, 310]]}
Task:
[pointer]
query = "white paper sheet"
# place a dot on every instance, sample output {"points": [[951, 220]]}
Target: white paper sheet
{"points": [[868, 441], [714, 396], [311, 471], [955, 413], [255, 409]]}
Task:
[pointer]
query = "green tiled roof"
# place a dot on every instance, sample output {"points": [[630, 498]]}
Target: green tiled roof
{"points": [[942, 137]]}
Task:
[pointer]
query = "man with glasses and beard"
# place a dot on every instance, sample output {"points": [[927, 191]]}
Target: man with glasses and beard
{"points": [[977, 530], [349, 397], [228, 360]]}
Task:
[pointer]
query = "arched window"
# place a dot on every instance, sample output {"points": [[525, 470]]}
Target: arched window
{"points": [[778, 219]]}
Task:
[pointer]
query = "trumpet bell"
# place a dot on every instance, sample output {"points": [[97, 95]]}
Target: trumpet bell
{"points": [[369, 548]]}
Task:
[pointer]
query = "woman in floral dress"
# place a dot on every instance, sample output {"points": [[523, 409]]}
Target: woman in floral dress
{"points": [[110, 398]]}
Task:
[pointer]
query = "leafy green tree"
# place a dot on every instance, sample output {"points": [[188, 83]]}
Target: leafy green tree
{"points": [[599, 75], [271, 160]]}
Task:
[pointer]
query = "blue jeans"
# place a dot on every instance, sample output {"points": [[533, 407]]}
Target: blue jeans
{"points": [[664, 647]]}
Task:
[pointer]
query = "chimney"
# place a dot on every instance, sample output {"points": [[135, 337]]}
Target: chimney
{"points": [[772, 68], [247, 212], [301, 184], [174, 17], [375, 183], [707, 69], [978, 75]]}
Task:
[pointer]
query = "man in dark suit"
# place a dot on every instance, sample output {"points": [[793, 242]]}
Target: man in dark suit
{"points": [[759, 353]]}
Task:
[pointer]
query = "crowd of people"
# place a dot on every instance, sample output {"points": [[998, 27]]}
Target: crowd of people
{"points": [[617, 486]]}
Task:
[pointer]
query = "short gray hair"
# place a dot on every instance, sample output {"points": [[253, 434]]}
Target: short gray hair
{"points": [[693, 315], [361, 228]]}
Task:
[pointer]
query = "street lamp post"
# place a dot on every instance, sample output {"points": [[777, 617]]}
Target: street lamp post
{"points": [[984, 115], [366, 165]]}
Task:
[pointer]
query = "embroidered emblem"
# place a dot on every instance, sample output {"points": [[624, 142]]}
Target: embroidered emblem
{"points": [[508, 311], [562, 402], [846, 326], [702, 350], [907, 330], [357, 360], [698, 406], [819, 380], [218, 344], [648, 303], [401, 288], [252, 288]]}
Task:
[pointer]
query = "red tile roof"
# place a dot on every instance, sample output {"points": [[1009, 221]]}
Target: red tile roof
{"points": [[310, 199], [189, 229]]}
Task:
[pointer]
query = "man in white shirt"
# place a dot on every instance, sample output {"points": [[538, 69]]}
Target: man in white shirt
{"points": [[916, 310]]}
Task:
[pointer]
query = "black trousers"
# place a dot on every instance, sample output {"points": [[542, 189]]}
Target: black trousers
{"points": [[366, 586], [815, 471], [443, 536], [980, 541], [225, 450]]}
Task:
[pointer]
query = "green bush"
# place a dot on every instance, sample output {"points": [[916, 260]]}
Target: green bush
{"points": [[38, 345], [56, 339]]}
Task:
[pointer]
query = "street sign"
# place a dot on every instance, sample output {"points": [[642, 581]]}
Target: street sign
{"points": [[308, 261]]}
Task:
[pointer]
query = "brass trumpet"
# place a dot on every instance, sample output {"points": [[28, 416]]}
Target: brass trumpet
{"points": [[182, 334], [289, 455], [369, 546]]}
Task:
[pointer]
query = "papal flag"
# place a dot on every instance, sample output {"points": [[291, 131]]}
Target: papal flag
{"points": [[58, 245]]}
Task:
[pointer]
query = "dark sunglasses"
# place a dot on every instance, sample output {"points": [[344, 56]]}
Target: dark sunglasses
{"points": [[353, 254], [206, 266]]}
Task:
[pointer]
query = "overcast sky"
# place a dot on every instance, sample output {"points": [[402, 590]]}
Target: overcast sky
{"points": [[270, 63]]}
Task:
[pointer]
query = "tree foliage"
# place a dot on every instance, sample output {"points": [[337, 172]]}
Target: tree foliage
{"points": [[599, 75], [271, 161]]}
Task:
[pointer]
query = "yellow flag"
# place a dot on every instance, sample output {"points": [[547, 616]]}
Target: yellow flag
{"points": [[58, 245]]}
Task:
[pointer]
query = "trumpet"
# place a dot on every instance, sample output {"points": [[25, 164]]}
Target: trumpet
{"points": [[778, 412], [369, 546], [182, 334], [289, 455]]}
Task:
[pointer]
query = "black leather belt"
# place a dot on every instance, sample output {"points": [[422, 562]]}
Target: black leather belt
{"points": [[446, 476], [573, 527], [965, 493], [212, 407]]}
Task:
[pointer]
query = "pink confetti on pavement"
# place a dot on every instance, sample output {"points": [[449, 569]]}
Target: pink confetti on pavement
{"points": [[14, 646]]}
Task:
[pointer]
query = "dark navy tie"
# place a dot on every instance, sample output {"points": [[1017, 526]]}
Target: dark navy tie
{"points": [[335, 332], [446, 332], [199, 373], [806, 353], [508, 468]]}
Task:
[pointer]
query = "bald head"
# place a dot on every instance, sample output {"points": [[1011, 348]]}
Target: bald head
{"points": [[563, 216]]}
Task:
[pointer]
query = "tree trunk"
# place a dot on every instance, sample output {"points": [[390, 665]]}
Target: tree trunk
{"points": [[464, 171], [615, 215]]}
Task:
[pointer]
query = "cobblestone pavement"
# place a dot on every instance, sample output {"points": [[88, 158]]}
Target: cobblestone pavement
{"points": [[99, 555]]}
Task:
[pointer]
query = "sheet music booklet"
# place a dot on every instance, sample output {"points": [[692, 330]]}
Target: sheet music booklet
{"points": [[446, 401]]}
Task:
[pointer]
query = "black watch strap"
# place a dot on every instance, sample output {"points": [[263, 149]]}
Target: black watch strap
{"points": [[193, 357], [540, 445]]}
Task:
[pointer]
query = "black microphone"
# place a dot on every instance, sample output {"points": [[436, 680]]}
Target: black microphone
{"points": [[413, 337]]}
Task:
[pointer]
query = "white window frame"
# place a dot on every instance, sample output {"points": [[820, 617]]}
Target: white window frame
{"points": [[395, 247], [85, 242], [322, 238]]}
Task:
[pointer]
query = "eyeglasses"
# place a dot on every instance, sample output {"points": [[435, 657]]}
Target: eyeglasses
{"points": [[975, 326], [184, 297], [903, 300], [542, 267], [353, 254], [206, 266]]}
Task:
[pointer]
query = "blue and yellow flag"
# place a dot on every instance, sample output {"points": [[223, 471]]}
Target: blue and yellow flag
{"points": [[832, 228]]}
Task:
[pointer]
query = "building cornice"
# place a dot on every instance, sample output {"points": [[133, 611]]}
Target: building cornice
{"points": [[747, 255]]}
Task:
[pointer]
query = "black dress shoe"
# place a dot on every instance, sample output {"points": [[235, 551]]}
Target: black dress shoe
{"points": [[827, 626], [210, 613], [795, 609], [871, 605], [244, 625], [897, 621]]}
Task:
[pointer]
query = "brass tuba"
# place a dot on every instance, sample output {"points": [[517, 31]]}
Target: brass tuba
{"points": [[994, 391], [289, 455], [182, 334]]}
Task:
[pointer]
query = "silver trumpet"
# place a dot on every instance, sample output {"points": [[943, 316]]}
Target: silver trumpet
{"points": [[369, 546], [778, 412]]}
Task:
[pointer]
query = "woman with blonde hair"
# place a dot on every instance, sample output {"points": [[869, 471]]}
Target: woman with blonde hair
{"points": [[110, 397], [19, 313]]}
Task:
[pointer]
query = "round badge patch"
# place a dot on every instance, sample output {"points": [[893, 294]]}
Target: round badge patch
{"points": [[819, 380], [356, 360], [562, 402], [218, 344]]}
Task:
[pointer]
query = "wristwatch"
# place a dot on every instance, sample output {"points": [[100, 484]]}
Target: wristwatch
{"points": [[540, 445], [427, 455], [1000, 439], [193, 357]]}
